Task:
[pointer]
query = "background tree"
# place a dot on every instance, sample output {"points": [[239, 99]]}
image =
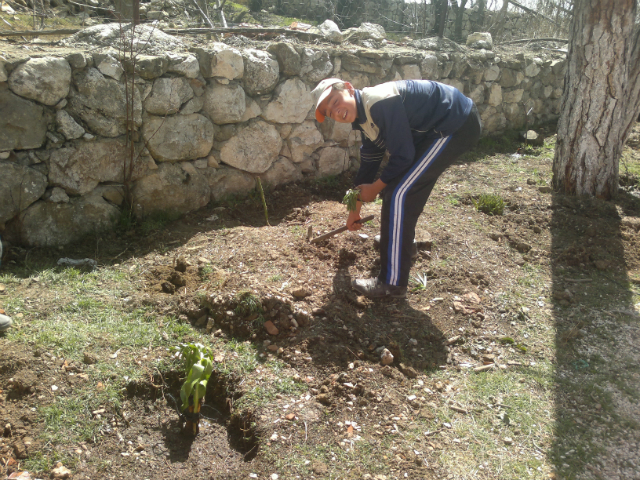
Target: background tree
{"points": [[441, 8], [601, 98], [458, 11]]}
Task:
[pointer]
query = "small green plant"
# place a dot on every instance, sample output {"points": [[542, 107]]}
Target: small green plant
{"points": [[247, 304], [490, 203], [205, 272], [351, 199], [198, 366], [420, 282]]}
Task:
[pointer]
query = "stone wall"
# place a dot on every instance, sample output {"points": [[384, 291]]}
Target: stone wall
{"points": [[208, 121]]}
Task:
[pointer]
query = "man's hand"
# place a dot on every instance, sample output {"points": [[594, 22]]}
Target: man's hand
{"points": [[369, 191], [353, 218]]}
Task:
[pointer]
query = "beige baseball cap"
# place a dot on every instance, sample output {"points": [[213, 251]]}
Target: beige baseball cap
{"points": [[322, 91]]}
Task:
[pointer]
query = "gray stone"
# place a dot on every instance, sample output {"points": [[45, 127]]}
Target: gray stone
{"points": [[533, 68], [225, 103], [254, 148], [331, 31], [480, 40], [149, 67], [261, 72], [45, 80], [429, 67], [495, 95], [3, 72], [291, 103], [185, 65], [492, 120], [281, 172], [56, 195], [492, 73], [366, 31], [332, 161], [178, 137], [77, 60], [176, 188], [226, 181], [101, 103], [410, 72], [46, 224], [514, 114], [20, 186], [304, 140], [220, 60], [509, 78], [335, 131], [477, 94], [80, 168], [67, 126], [167, 95], [192, 106], [288, 59], [23, 124], [253, 110], [512, 96]]}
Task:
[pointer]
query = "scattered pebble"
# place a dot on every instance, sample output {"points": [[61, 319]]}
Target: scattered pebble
{"points": [[271, 328], [507, 440], [386, 358]]}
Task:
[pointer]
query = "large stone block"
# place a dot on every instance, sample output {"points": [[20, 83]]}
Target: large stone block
{"points": [[261, 72], [167, 95], [429, 67], [410, 72], [186, 65], [178, 188], [291, 103], [225, 103], [102, 103], [226, 181], [22, 122], [67, 126], [281, 172], [178, 137], [80, 168], [20, 186], [333, 161], [316, 65], [220, 60], [45, 80], [303, 140], [513, 96], [288, 58], [47, 224], [495, 95], [254, 148]]}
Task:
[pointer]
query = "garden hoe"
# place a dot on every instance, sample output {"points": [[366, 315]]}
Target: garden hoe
{"points": [[339, 230]]}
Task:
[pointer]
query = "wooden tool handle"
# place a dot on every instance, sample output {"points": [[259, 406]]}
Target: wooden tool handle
{"points": [[339, 230]]}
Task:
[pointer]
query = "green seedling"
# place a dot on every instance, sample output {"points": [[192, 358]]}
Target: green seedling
{"points": [[198, 365], [420, 281], [351, 199], [490, 204]]}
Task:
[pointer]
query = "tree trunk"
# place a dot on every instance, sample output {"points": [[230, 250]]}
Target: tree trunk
{"points": [[601, 97], [441, 9], [497, 28], [459, 11]]}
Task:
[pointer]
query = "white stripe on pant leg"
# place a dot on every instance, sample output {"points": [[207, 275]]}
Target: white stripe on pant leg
{"points": [[402, 189]]}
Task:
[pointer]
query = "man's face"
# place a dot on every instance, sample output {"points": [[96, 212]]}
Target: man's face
{"points": [[340, 106]]}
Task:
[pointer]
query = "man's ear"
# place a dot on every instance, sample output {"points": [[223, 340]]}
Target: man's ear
{"points": [[349, 88]]}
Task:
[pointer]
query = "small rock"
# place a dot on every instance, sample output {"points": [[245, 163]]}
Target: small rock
{"points": [[19, 475], [271, 328], [60, 471], [318, 311], [290, 416], [545, 189], [413, 342], [19, 449], [507, 440], [181, 264], [324, 399], [408, 371], [168, 287], [386, 358], [89, 359], [601, 264], [300, 292], [273, 348]]}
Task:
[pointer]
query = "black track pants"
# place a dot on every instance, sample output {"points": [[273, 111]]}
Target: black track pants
{"points": [[404, 199]]}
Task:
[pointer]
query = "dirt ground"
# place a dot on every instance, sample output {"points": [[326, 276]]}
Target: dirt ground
{"points": [[329, 338]]}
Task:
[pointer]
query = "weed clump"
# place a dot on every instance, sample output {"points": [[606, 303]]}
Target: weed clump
{"points": [[490, 204], [351, 199], [247, 304]]}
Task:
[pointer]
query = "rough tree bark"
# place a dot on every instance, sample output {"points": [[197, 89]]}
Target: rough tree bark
{"points": [[459, 13], [601, 98], [441, 8]]}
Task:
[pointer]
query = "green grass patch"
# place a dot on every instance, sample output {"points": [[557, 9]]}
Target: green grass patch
{"points": [[490, 203]]}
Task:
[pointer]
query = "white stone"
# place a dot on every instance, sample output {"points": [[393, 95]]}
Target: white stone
{"points": [[331, 31], [316, 65], [45, 79], [291, 102], [110, 67], [332, 161], [429, 67], [303, 140], [192, 106], [226, 62], [168, 95], [178, 137], [252, 110], [20, 186], [386, 357], [532, 69], [254, 148], [225, 103], [67, 126], [57, 195], [226, 181]]}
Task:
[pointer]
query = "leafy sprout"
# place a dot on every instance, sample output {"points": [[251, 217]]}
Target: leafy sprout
{"points": [[351, 199]]}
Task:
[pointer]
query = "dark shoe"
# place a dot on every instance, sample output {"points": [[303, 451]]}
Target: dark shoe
{"points": [[414, 248], [5, 323], [374, 288]]}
